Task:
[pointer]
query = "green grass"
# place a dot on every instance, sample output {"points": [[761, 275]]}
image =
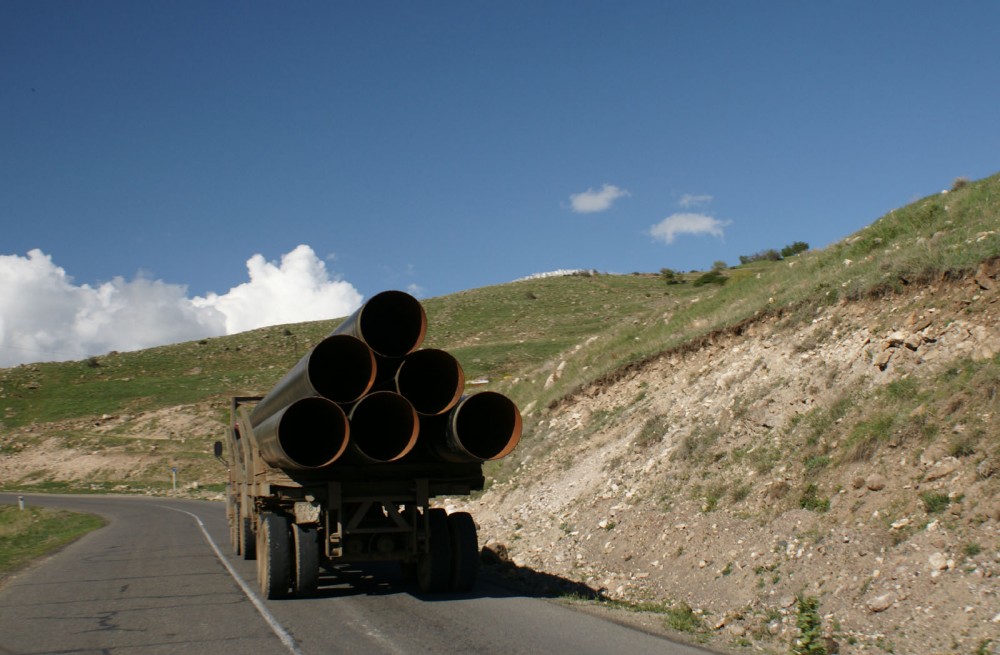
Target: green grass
{"points": [[935, 503], [601, 326], [683, 619], [811, 500], [971, 549], [867, 436], [29, 534], [653, 430]]}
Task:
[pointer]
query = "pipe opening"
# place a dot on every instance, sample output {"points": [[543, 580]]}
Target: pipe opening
{"points": [[488, 425], [313, 432], [393, 323], [384, 427], [432, 380], [341, 368]]}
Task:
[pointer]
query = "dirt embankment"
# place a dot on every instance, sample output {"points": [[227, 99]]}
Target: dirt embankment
{"points": [[779, 463], [137, 451]]}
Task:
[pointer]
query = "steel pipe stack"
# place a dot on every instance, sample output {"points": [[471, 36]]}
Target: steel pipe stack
{"points": [[367, 394]]}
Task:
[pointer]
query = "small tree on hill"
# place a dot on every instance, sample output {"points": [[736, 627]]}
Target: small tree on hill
{"points": [[795, 248], [669, 276], [764, 255]]}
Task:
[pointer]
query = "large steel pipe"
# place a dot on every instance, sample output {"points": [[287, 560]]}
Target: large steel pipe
{"points": [[307, 434], [384, 427], [482, 427], [340, 368], [392, 323], [432, 380]]}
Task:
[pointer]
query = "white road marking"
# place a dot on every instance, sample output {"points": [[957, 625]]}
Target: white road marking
{"points": [[275, 626]]}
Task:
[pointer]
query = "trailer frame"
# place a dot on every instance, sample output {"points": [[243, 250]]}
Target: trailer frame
{"points": [[296, 521]]}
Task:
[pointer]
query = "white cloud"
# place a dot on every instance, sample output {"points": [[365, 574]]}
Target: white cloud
{"points": [[45, 316], [692, 200], [416, 290], [591, 201], [298, 289], [668, 229]]}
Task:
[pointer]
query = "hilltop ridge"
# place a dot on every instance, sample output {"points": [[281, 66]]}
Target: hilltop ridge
{"points": [[823, 425]]}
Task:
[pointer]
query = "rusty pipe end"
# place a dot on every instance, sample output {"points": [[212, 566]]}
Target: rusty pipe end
{"points": [[432, 380], [384, 427], [342, 368], [483, 427], [392, 323], [310, 433], [488, 425]]}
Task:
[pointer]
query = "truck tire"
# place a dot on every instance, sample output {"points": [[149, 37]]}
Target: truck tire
{"points": [[248, 541], [434, 567], [274, 570], [464, 551], [305, 580]]}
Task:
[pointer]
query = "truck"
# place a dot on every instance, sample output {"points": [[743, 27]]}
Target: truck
{"points": [[318, 475]]}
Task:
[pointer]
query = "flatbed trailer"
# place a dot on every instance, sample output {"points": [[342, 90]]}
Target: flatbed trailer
{"points": [[293, 522]]}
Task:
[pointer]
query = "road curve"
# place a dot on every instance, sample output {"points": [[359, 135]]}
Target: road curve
{"points": [[161, 578]]}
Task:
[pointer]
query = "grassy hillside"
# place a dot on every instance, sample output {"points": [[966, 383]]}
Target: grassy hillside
{"points": [[516, 335]]}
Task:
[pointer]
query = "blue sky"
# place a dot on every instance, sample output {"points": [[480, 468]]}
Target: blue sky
{"points": [[441, 146]]}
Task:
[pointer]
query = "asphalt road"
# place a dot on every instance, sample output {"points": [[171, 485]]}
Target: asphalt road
{"points": [[161, 578]]}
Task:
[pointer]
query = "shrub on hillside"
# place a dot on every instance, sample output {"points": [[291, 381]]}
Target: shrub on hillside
{"points": [[712, 277], [773, 255], [670, 276], [764, 255], [795, 248]]}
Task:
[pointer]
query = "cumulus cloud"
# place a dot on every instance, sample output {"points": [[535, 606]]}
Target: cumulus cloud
{"points": [[675, 224], [44, 315], [297, 289], [591, 201]]}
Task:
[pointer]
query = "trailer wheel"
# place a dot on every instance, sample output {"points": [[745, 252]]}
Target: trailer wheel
{"points": [[464, 551], [248, 541], [306, 573], [434, 567], [232, 519], [274, 571]]}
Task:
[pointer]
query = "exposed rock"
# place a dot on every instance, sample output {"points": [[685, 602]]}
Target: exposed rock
{"points": [[875, 482], [986, 468], [983, 279], [946, 466], [881, 603], [882, 359], [895, 340], [938, 562]]}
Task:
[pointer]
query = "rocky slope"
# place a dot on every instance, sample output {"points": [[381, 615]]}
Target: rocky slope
{"points": [[852, 455]]}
